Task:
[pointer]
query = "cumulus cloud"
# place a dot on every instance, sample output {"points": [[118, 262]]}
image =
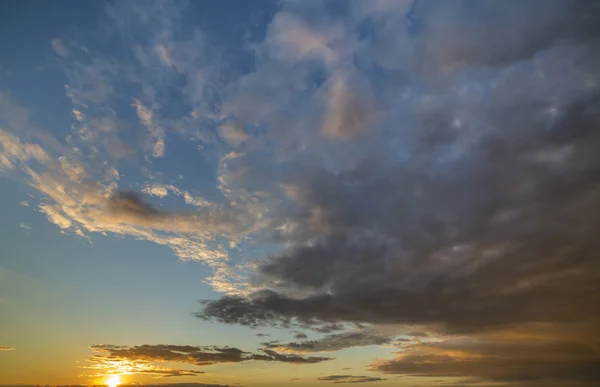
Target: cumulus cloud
{"points": [[472, 204], [349, 379]]}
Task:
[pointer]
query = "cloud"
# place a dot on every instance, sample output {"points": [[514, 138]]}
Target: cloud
{"points": [[232, 134], [186, 354], [157, 135], [4, 348], [471, 205], [348, 112], [59, 48], [333, 342], [502, 358], [349, 379], [410, 164]]}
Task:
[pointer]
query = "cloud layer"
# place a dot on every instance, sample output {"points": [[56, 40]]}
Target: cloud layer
{"points": [[381, 163], [349, 379], [143, 359]]}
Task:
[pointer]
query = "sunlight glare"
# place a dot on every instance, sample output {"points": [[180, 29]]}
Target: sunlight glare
{"points": [[113, 381]]}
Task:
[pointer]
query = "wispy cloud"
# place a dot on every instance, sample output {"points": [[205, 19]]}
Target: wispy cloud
{"points": [[143, 358], [4, 348], [349, 379], [334, 342]]}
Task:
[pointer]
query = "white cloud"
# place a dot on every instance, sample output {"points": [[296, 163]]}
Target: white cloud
{"points": [[59, 48], [233, 134]]}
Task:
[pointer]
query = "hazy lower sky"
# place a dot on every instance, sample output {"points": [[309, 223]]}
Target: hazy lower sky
{"points": [[304, 193]]}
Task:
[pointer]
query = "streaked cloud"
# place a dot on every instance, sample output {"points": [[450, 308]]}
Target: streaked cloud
{"points": [[516, 358], [59, 47], [349, 379], [333, 342], [4, 348], [144, 355]]}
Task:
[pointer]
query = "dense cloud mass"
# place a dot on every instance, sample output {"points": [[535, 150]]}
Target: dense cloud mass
{"points": [[504, 358], [473, 203]]}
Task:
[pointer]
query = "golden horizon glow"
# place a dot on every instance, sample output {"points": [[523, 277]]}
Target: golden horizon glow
{"points": [[113, 380]]}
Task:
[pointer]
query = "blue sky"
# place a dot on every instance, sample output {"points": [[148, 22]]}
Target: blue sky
{"points": [[262, 193]]}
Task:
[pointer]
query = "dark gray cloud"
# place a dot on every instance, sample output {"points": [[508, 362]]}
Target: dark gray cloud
{"points": [[300, 336], [504, 358], [473, 204], [270, 355], [333, 342], [199, 356], [349, 379]]}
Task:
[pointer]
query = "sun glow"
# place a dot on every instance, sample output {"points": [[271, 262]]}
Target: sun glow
{"points": [[113, 381]]}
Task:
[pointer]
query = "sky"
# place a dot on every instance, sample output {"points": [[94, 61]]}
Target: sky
{"points": [[304, 193]]}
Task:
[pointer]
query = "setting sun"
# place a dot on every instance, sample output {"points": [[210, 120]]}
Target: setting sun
{"points": [[113, 381]]}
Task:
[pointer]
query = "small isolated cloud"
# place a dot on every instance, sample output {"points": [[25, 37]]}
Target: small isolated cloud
{"points": [[59, 47], [24, 203], [25, 226], [349, 379], [4, 348], [156, 144]]}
